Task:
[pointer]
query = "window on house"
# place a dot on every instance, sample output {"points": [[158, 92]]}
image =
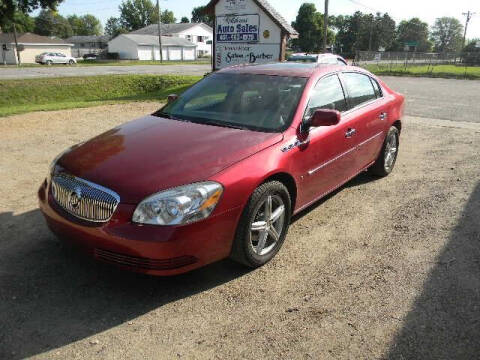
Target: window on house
{"points": [[189, 37], [200, 39]]}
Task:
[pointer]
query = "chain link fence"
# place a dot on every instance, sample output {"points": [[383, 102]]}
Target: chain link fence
{"points": [[416, 58]]}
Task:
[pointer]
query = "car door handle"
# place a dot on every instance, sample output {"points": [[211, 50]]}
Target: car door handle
{"points": [[383, 116], [350, 133]]}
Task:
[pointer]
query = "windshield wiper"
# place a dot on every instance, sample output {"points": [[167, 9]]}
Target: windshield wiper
{"points": [[223, 124]]}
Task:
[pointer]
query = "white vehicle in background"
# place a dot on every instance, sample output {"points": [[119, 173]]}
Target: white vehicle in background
{"points": [[318, 58], [50, 58]]}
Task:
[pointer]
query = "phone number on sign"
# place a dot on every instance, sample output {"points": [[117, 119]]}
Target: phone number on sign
{"points": [[237, 37]]}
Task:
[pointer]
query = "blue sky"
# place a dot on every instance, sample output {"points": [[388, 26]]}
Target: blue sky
{"points": [[427, 10]]}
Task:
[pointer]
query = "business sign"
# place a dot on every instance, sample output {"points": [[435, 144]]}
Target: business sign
{"points": [[237, 28], [235, 5], [236, 54]]}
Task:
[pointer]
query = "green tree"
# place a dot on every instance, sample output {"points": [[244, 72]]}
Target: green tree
{"points": [[136, 14], [113, 27], [168, 17], [85, 25], [23, 22], [9, 7], [185, 20], [309, 25], [412, 31], [50, 23], [447, 34], [351, 34], [471, 52], [199, 16]]}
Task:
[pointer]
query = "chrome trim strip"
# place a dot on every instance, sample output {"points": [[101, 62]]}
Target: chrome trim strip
{"points": [[313, 171]]}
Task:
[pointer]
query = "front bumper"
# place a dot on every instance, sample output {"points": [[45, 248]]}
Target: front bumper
{"points": [[149, 249]]}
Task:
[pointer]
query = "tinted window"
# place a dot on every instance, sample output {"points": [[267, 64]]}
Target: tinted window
{"points": [[328, 94], [376, 87], [359, 87]]}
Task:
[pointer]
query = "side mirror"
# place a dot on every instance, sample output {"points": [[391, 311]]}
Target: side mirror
{"points": [[325, 117], [171, 98]]}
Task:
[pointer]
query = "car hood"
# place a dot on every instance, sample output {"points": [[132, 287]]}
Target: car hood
{"points": [[151, 154]]}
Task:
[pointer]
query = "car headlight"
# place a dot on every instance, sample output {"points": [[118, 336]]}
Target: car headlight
{"points": [[180, 205]]}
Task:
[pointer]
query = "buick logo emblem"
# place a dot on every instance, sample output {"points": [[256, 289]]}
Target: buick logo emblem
{"points": [[75, 198]]}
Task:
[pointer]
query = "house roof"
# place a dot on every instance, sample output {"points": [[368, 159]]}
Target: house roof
{"points": [[86, 39], [153, 40], [29, 38], [168, 29], [269, 10]]}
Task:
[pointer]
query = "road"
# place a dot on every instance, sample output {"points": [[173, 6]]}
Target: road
{"points": [[457, 100], [60, 71]]}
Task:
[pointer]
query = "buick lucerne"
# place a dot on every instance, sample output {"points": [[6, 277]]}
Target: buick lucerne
{"points": [[219, 171]]}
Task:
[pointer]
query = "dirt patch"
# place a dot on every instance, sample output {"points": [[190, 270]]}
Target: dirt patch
{"points": [[383, 268]]}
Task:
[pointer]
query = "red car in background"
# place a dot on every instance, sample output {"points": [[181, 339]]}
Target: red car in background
{"points": [[220, 170]]}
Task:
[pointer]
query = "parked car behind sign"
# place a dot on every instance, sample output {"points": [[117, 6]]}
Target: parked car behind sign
{"points": [[50, 58]]}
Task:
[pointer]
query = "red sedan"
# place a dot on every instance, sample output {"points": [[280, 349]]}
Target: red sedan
{"points": [[220, 170]]}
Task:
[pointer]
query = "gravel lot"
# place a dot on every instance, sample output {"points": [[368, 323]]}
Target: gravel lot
{"points": [[384, 268]]}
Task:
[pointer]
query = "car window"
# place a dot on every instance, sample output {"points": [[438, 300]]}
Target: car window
{"points": [[341, 61], [327, 94], [377, 88], [359, 87], [327, 60]]}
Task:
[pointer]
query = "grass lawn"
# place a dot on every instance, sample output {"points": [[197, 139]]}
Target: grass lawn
{"points": [[443, 71], [21, 96]]}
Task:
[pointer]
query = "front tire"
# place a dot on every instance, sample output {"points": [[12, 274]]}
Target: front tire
{"points": [[263, 226], [385, 162], [49, 63]]}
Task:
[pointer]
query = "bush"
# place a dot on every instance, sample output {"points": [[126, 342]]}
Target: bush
{"points": [[113, 56]]}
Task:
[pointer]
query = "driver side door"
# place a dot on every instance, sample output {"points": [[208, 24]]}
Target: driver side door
{"points": [[328, 158]]}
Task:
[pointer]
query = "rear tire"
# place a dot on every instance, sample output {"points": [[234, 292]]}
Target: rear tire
{"points": [[263, 226], [71, 62], [385, 162]]}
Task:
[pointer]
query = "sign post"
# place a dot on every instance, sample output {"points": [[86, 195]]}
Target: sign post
{"points": [[247, 32]]}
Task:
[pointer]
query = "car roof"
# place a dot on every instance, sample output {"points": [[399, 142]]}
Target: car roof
{"points": [[292, 69]]}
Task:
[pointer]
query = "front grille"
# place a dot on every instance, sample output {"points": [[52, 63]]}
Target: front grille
{"points": [[143, 263], [83, 199]]}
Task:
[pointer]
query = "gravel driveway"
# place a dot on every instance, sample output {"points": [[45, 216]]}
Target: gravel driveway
{"points": [[385, 268]]}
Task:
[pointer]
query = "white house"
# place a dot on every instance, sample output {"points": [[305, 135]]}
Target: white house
{"points": [[146, 47], [29, 45], [197, 33]]}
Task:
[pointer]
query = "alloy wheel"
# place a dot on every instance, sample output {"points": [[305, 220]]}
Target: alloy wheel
{"points": [[391, 149], [267, 225]]}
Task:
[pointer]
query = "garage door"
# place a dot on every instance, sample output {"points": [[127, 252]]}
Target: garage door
{"points": [[189, 54], [145, 53], [175, 54]]}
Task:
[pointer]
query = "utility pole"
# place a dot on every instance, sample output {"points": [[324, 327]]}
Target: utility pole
{"points": [[325, 27], [160, 30], [469, 15], [16, 43]]}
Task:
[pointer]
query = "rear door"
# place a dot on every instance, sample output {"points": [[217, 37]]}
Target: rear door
{"points": [[366, 115]]}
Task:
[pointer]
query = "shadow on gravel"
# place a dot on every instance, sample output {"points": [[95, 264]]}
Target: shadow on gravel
{"points": [[50, 296], [444, 322]]}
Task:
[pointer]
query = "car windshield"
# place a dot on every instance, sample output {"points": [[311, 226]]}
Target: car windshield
{"points": [[248, 101]]}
